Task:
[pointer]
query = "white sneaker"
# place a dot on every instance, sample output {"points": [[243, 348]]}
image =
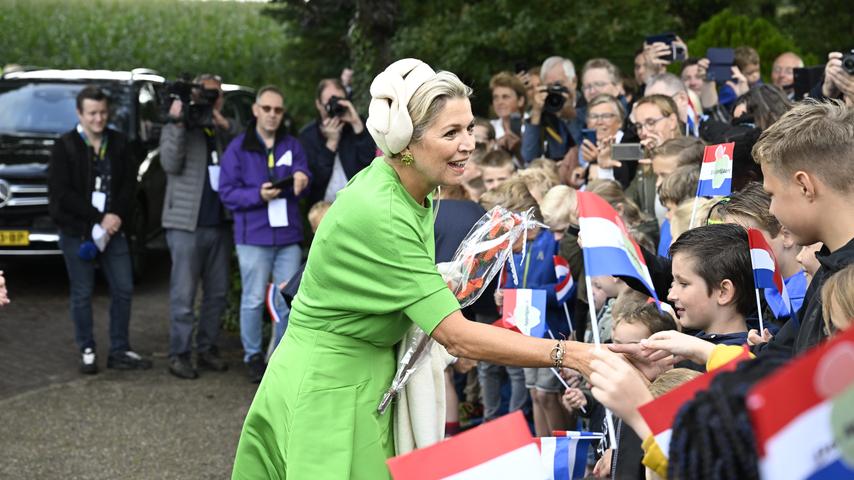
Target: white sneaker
{"points": [[88, 362]]}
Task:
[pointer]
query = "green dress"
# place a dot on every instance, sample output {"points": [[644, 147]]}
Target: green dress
{"points": [[370, 274]]}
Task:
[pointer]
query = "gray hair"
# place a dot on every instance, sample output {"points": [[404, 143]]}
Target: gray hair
{"points": [[671, 82], [552, 62], [604, 64], [604, 98]]}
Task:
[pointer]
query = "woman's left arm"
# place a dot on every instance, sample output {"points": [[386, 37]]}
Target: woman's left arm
{"points": [[479, 341]]}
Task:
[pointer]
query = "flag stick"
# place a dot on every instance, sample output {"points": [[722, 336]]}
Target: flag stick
{"points": [[568, 320], [759, 311], [609, 418], [693, 213]]}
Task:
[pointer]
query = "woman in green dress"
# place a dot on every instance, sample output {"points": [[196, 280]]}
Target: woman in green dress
{"points": [[370, 274]]}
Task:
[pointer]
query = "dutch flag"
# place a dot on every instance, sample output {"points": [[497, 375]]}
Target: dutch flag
{"points": [[565, 457], [499, 450], [660, 413], [564, 279], [607, 247], [716, 171], [766, 274], [524, 311], [802, 415]]}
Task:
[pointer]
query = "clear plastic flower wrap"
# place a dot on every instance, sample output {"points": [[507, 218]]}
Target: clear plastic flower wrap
{"points": [[480, 257]]}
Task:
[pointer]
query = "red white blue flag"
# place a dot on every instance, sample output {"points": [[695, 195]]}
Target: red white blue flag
{"points": [[524, 310], [270, 303], [564, 279], [660, 413], [803, 414], [502, 449], [564, 456], [716, 171], [766, 273], [607, 247]]}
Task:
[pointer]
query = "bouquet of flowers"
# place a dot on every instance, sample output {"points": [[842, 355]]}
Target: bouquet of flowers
{"points": [[480, 256]]}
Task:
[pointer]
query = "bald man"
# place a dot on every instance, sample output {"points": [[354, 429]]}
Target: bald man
{"points": [[782, 74]]}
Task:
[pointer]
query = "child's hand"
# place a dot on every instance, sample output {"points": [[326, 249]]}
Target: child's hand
{"points": [[603, 465], [620, 387], [753, 337], [680, 345], [499, 297], [574, 399], [651, 363]]}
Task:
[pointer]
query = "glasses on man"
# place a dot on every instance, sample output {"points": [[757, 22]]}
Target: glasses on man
{"points": [[594, 86], [268, 108], [648, 123], [595, 117]]}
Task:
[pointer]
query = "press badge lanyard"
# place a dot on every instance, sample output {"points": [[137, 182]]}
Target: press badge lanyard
{"points": [[214, 155], [101, 154], [271, 159]]}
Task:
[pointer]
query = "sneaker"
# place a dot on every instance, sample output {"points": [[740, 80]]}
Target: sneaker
{"points": [[88, 362], [182, 368], [128, 360], [256, 367], [211, 361]]}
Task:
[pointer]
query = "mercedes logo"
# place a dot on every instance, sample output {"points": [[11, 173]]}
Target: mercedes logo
{"points": [[5, 193]]}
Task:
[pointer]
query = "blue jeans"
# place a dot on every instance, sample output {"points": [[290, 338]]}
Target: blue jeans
{"points": [[116, 265], [257, 263]]}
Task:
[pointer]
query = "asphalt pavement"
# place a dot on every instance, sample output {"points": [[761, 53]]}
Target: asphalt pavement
{"points": [[57, 423]]}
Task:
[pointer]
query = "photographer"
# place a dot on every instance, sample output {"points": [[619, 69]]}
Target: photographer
{"points": [[264, 174], [839, 77], [197, 230], [553, 122], [336, 144]]}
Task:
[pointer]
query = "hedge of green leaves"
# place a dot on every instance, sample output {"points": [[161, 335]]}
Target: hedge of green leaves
{"points": [[233, 39]]}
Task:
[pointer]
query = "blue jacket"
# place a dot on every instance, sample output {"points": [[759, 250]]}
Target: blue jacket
{"points": [[537, 271], [244, 170]]}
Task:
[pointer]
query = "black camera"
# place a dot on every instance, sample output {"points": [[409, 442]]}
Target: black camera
{"points": [[334, 108], [555, 99], [198, 108], [848, 62]]}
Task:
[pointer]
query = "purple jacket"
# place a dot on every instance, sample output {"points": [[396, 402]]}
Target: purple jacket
{"points": [[243, 170]]}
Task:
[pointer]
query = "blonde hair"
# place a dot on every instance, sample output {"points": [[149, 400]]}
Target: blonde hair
{"points": [[680, 185], [497, 159], [515, 196], [813, 136], [666, 106], [613, 193], [671, 379], [490, 198], [559, 207], [429, 100], [682, 216], [838, 290], [538, 180]]}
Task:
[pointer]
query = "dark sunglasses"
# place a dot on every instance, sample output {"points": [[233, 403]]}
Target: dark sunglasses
{"points": [[267, 108]]}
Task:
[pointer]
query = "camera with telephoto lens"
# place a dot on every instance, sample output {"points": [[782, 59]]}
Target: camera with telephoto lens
{"points": [[848, 62], [334, 108], [555, 99], [198, 108]]}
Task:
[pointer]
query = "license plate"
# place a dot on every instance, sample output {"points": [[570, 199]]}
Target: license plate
{"points": [[14, 238]]}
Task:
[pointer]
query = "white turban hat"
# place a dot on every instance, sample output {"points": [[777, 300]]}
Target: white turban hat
{"points": [[388, 116]]}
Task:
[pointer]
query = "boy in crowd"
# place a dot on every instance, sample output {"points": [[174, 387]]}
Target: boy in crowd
{"points": [[496, 167], [535, 270], [807, 159], [747, 60], [712, 288], [749, 208]]}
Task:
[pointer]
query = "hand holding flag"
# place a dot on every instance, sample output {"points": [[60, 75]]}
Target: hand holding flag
{"points": [[766, 272]]}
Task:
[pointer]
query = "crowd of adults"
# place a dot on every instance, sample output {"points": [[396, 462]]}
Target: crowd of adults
{"points": [[554, 130]]}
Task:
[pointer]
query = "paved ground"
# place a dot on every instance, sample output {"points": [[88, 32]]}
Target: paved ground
{"points": [[55, 423]]}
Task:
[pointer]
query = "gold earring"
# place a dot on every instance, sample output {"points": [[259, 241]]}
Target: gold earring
{"points": [[406, 158]]}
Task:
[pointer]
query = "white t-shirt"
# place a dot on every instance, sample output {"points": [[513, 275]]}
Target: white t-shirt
{"points": [[337, 180]]}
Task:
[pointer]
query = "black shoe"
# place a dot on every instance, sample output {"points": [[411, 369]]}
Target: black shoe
{"points": [[182, 368], [211, 361], [128, 360], [88, 362], [256, 367]]}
